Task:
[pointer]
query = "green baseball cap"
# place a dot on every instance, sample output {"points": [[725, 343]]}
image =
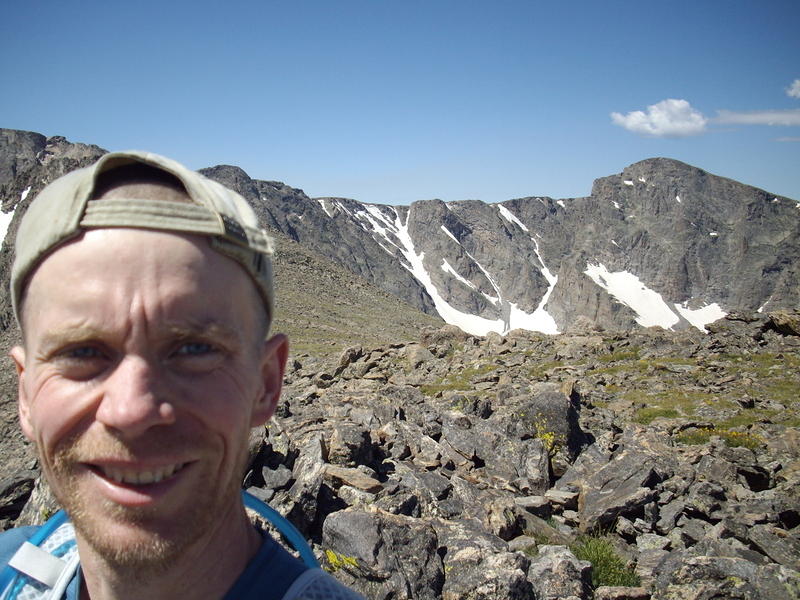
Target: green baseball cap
{"points": [[65, 208]]}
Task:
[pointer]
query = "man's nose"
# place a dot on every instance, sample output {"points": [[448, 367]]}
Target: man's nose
{"points": [[131, 403]]}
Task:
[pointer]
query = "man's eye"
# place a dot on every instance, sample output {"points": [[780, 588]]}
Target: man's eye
{"points": [[195, 349], [83, 353]]}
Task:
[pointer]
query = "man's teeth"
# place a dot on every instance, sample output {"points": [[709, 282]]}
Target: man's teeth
{"points": [[140, 477]]}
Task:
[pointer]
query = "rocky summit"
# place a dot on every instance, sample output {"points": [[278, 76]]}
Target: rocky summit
{"points": [[614, 460]]}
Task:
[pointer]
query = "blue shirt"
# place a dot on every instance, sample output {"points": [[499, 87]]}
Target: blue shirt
{"points": [[267, 576]]}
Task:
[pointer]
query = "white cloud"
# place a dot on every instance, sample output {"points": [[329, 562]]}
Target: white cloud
{"points": [[787, 139], [760, 117], [668, 118], [794, 89]]}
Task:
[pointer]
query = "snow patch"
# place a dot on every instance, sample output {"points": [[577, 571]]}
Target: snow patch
{"points": [[378, 221], [447, 231], [513, 316], [343, 208], [381, 225], [628, 182], [25, 193], [450, 270], [540, 319], [776, 201], [678, 199], [616, 204], [561, 203], [615, 243], [324, 206], [642, 179], [510, 217], [629, 290], [5, 220], [714, 234], [472, 324], [702, 316]]}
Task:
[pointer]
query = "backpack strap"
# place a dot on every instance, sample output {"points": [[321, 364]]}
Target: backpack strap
{"points": [[38, 564], [283, 525], [43, 566]]}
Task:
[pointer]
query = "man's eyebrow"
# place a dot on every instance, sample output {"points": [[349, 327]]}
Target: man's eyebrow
{"points": [[61, 336], [209, 329], [75, 334]]}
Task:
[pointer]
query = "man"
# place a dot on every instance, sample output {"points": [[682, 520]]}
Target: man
{"points": [[144, 295]]}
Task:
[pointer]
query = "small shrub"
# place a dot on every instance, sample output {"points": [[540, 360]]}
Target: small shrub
{"points": [[551, 440], [607, 566]]}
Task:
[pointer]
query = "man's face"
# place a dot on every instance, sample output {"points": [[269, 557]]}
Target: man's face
{"points": [[140, 379]]}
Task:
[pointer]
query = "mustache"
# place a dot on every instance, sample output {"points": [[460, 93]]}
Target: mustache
{"points": [[155, 444]]}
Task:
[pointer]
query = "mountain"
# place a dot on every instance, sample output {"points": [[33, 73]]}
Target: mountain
{"points": [[662, 243]]}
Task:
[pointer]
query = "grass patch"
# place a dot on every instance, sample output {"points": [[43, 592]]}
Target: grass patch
{"points": [[745, 417], [783, 390], [540, 370], [734, 439], [460, 381], [638, 367], [619, 355], [608, 568], [670, 404], [645, 416]]}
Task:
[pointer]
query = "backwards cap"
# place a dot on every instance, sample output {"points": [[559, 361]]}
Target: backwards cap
{"points": [[64, 209]]}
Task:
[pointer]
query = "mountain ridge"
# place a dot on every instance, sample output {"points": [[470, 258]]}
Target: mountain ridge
{"points": [[661, 243]]}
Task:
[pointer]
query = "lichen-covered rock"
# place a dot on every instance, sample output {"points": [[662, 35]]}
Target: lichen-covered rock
{"points": [[384, 555], [708, 577], [474, 576], [555, 573]]}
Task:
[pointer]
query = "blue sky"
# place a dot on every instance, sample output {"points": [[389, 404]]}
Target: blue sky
{"points": [[392, 102]]}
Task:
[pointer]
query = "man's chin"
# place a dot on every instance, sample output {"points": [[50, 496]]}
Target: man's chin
{"points": [[131, 539]]}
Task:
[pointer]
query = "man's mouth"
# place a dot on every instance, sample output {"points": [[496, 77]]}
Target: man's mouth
{"points": [[139, 477]]}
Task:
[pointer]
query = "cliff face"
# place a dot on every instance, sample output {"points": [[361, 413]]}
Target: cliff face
{"points": [[661, 243]]}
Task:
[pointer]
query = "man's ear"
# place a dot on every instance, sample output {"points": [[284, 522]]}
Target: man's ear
{"points": [[273, 365], [17, 354]]}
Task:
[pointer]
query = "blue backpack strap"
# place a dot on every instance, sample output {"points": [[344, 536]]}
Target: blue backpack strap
{"points": [[61, 545], [280, 522], [27, 564], [10, 541]]}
